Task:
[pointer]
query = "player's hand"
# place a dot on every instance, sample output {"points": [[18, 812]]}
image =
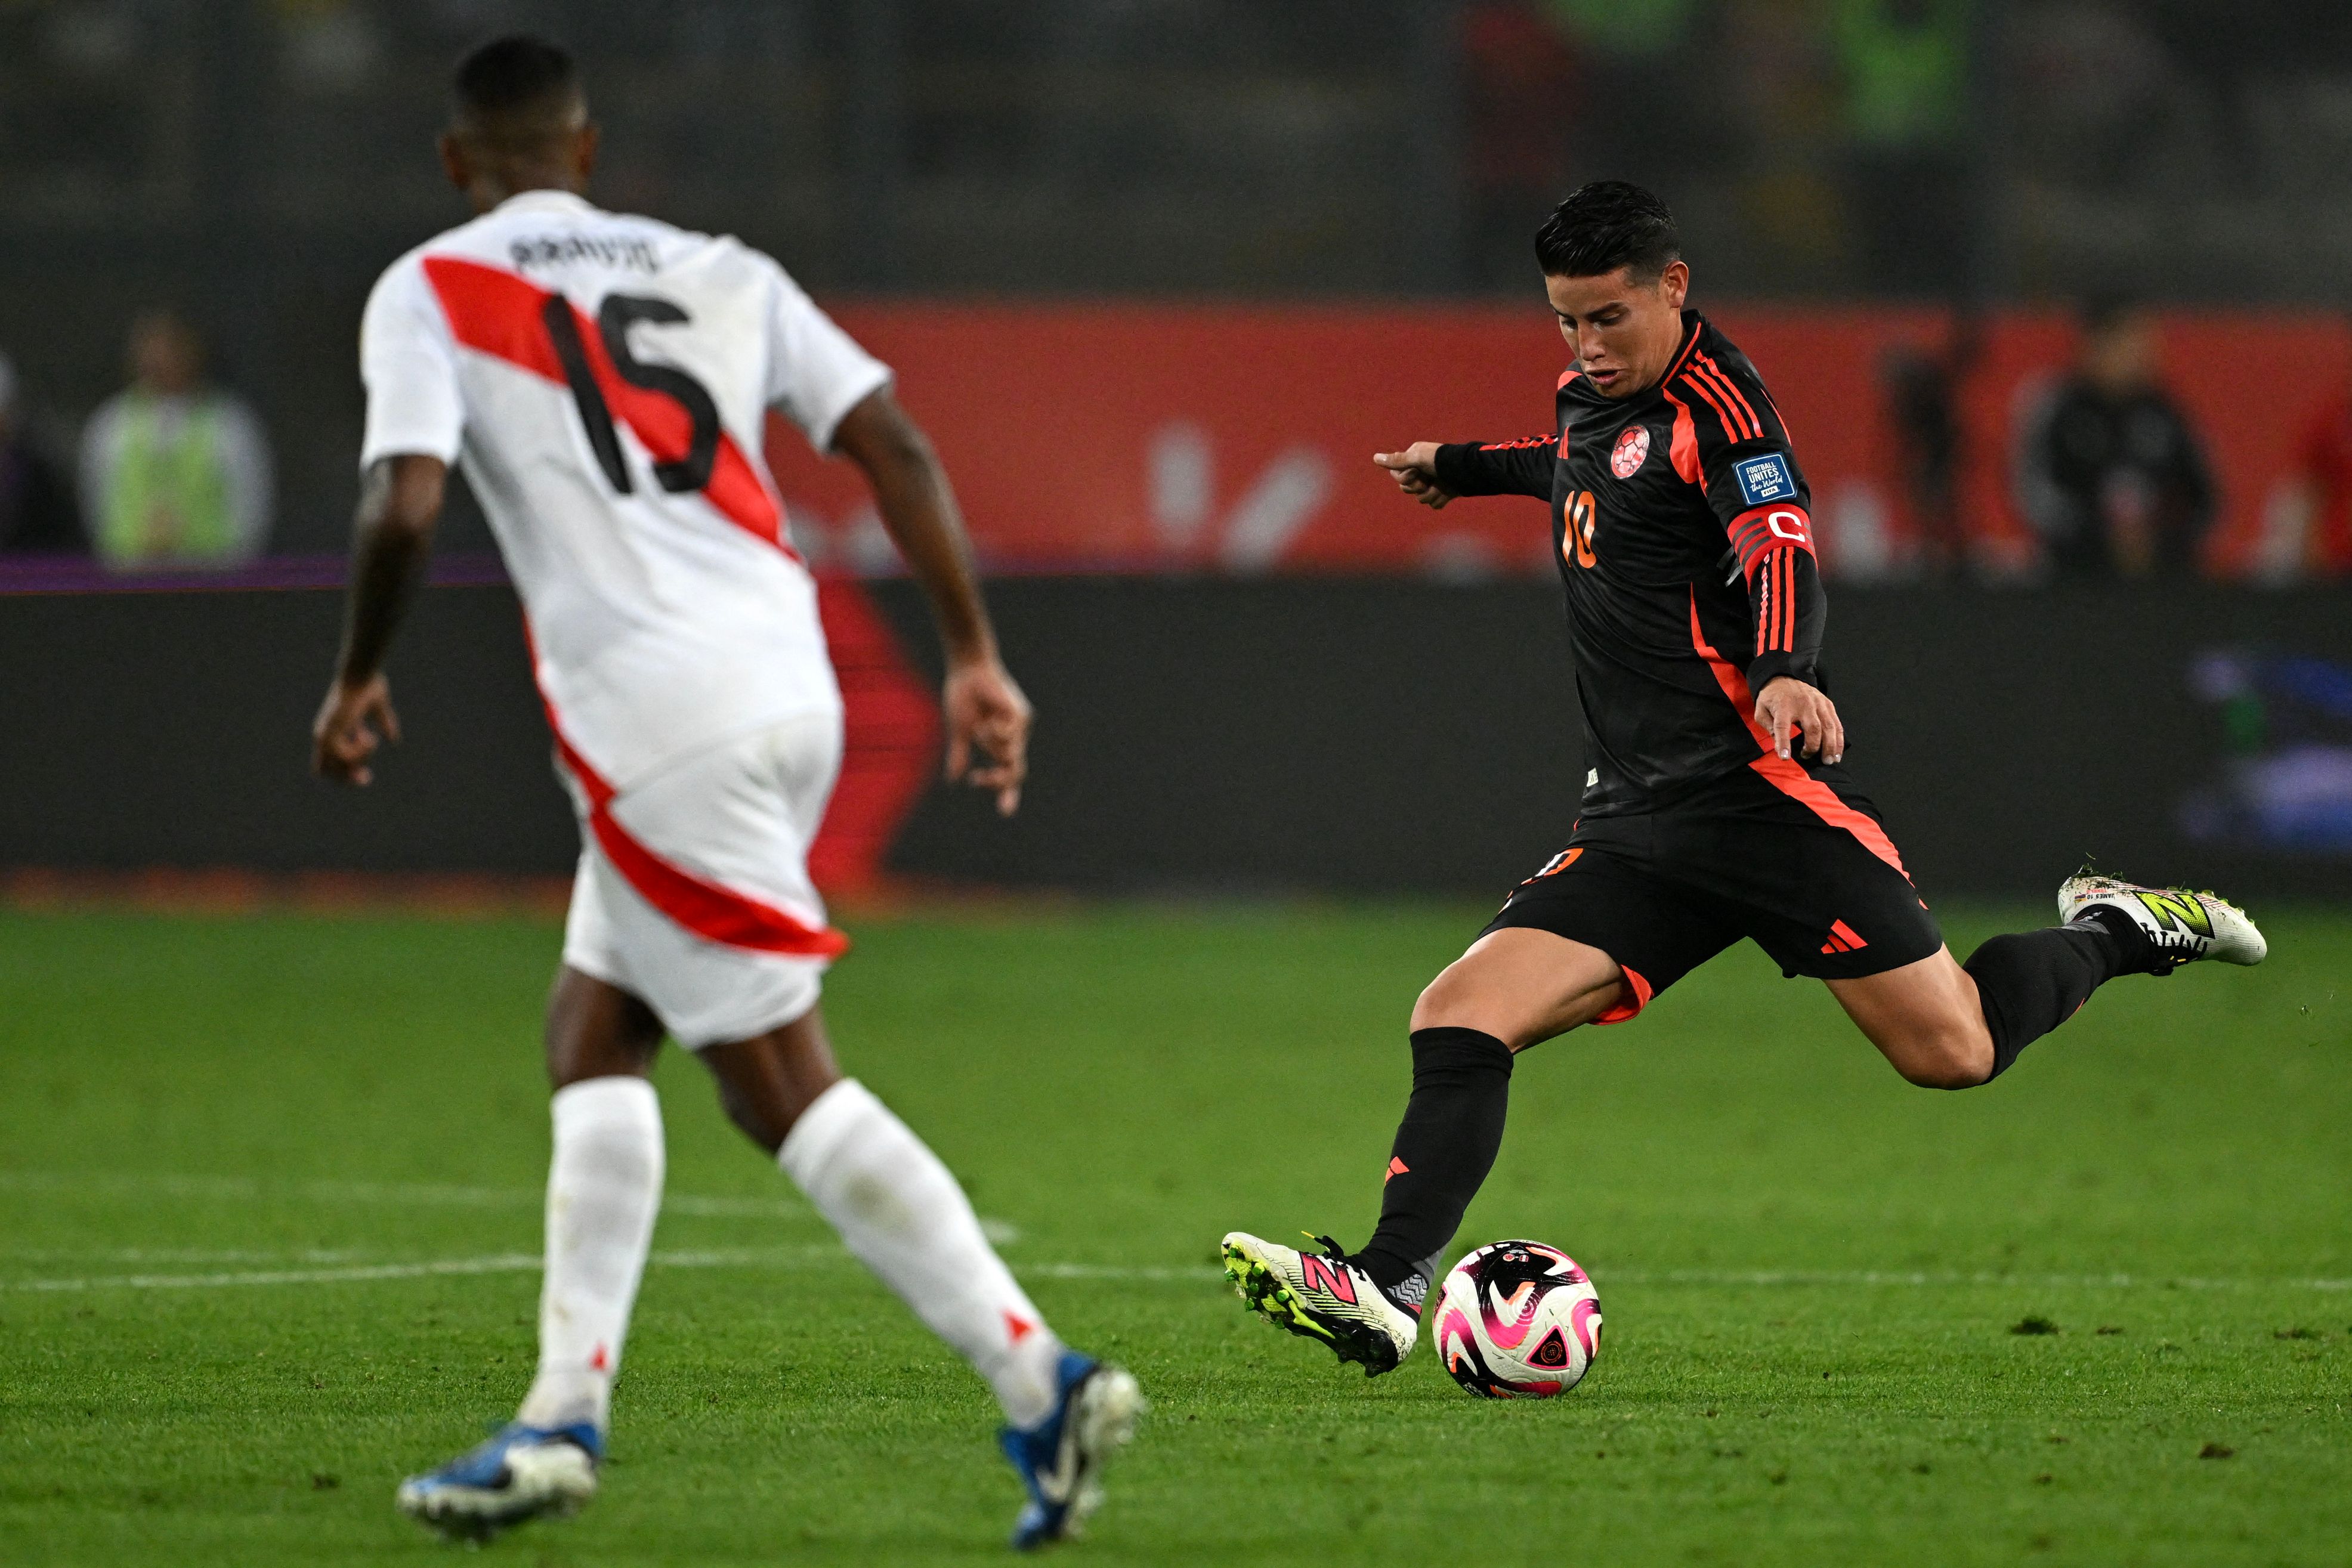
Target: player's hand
{"points": [[988, 731], [352, 724], [1415, 470], [1795, 712]]}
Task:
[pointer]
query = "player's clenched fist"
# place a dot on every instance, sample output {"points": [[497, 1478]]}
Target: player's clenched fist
{"points": [[1415, 470], [353, 723]]}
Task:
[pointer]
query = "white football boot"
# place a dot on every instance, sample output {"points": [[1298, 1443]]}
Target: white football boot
{"points": [[2181, 926], [1327, 1299]]}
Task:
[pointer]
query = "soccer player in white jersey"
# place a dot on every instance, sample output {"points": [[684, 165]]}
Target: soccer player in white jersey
{"points": [[603, 379]]}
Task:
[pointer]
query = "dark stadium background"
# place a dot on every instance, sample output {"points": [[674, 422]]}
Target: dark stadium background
{"points": [[1160, 276]]}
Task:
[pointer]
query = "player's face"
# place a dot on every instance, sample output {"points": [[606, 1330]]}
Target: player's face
{"points": [[163, 356], [1623, 334], [2123, 359]]}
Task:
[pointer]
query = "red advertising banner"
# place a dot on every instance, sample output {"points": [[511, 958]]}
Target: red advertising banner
{"points": [[1239, 439]]}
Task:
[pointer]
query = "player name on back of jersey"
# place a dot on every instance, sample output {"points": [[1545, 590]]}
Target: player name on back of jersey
{"points": [[626, 251]]}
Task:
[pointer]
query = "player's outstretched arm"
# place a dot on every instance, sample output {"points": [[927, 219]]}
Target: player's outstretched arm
{"points": [[987, 716], [400, 504], [1434, 473], [1414, 469]]}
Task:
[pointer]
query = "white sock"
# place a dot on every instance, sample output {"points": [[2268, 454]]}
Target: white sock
{"points": [[904, 1216], [604, 1187]]}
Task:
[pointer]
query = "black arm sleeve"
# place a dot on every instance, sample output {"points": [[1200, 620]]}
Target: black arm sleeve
{"points": [[1784, 589], [1499, 469]]}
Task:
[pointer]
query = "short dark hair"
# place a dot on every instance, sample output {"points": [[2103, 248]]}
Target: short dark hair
{"points": [[1604, 226], [513, 80]]}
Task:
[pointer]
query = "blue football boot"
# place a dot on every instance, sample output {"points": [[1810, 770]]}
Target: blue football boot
{"points": [[521, 1473], [1061, 1458]]}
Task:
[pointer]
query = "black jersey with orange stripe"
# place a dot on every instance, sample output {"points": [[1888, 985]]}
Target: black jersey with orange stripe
{"points": [[1684, 535]]}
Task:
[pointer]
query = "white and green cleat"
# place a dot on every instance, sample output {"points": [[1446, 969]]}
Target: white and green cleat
{"points": [[2181, 926], [1327, 1299]]}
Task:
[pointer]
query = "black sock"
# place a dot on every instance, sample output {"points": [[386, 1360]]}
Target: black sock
{"points": [[1444, 1148], [2032, 981]]}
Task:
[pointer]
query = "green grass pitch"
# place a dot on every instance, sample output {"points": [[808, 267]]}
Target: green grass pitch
{"points": [[271, 1187]]}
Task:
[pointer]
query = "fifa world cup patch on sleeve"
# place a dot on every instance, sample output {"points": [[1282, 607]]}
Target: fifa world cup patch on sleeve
{"points": [[1765, 478]]}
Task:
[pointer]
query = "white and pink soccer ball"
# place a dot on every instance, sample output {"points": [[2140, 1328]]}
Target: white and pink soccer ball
{"points": [[1518, 1320]]}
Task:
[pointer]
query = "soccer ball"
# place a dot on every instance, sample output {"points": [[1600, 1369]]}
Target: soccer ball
{"points": [[1518, 1320]]}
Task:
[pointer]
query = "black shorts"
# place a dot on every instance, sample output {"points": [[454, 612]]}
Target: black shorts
{"points": [[1798, 864]]}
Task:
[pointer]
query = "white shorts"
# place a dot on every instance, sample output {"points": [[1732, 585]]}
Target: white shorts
{"points": [[693, 892]]}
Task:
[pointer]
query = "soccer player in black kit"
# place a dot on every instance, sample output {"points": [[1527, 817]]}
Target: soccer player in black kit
{"points": [[1717, 807]]}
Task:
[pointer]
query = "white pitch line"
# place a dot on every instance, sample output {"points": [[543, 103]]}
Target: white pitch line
{"points": [[424, 1194], [827, 1257], [504, 1263], [698, 1206], [1152, 1272], [216, 1255], [496, 1263], [1950, 1280], [528, 1263]]}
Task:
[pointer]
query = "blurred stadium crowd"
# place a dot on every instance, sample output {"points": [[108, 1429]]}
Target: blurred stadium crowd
{"points": [[2022, 216]]}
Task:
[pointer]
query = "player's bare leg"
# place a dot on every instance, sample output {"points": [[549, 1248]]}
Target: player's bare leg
{"points": [[898, 1208], [1925, 1019], [1521, 985], [603, 1188], [765, 1084], [595, 1030], [1948, 1026], [1514, 989]]}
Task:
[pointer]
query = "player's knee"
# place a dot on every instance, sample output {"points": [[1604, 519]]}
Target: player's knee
{"points": [[1463, 998], [760, 1120], [597, 1030], [766, 1083], [1456, 1000], [1438, 1001], [1952, 1056], [570, 1062], [1940, 1072]]}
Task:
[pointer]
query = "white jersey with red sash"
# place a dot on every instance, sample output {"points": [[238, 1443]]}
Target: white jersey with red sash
{"points": [[603, 379]]}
